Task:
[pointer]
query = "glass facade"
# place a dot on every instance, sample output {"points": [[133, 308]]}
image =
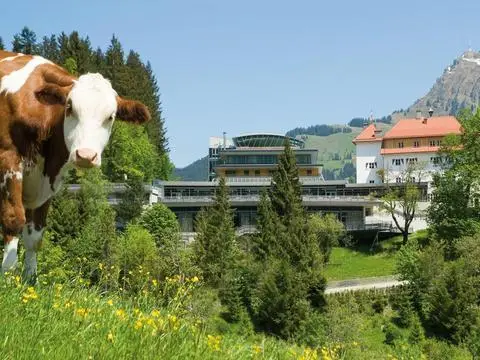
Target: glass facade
{"points": [[260, 159]]}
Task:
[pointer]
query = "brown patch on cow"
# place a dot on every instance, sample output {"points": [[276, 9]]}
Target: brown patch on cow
{"points": [[132, 111]]}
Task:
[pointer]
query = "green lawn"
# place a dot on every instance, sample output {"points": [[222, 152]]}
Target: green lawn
{"points": [[360, 262]]}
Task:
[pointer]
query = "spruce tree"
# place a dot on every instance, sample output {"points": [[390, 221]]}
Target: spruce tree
{"points": [[25, 42], [2, 45], [264, 243], [49, 49], [215, 242]]}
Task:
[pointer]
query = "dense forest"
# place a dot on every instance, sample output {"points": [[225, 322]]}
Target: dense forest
{"points": [[139, 152], [359, 121], [318, 130]]}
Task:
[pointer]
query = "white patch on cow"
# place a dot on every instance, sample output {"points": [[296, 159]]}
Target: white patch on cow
{"points": [[94, 105], [31, 239], [36, 186], [14, 81], [10, 255], [10, 58]]}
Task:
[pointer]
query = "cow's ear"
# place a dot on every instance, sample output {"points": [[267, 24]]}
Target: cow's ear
{"points": [[132, 111], [51, 94]]}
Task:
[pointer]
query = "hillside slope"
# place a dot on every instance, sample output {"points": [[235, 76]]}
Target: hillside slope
{"points": [[196, 171]]}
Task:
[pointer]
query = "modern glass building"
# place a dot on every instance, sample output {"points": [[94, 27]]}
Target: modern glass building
{"points": [[255, 156]]}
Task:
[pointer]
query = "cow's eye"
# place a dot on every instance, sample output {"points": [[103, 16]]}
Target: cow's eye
{"points": [[68, 107]]}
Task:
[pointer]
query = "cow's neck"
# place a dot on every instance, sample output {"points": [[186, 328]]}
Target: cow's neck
{"points": [[55, 153]]}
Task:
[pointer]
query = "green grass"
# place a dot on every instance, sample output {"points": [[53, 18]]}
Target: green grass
{"points": [[360, 262], [78, 323]]}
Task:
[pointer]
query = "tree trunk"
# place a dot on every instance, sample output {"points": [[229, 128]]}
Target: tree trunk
{"points": [[405, 237]]}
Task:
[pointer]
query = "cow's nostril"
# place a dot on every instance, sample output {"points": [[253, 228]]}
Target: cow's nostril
{"points": [[86, 155]]}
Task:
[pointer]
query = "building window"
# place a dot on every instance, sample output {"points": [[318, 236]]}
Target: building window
{"points": [[371, 165], [416, 143], [309, 171], [397, 162], [372, 181], [432, 142], [436, 160], [230, 172], [257, 172], [400, 144], [398, 180], [413, 179], [271, 172], [439, 142], [246, 172]]}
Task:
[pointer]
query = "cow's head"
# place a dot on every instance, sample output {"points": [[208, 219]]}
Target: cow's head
{"points": [[91, 106]]}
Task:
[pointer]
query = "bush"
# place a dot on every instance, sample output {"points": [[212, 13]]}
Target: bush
{"points": [[392, 334], [162, 223], [136, 250]]}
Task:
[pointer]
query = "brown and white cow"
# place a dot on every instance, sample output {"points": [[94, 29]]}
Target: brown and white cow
{"points": [[49, 120]]}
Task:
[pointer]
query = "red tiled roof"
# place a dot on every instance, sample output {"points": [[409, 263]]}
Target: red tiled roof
{"points": [[413, 150], [433, 126], [370, 133]]}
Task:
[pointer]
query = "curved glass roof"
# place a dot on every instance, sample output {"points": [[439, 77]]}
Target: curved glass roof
{"points": [[265, 140]]}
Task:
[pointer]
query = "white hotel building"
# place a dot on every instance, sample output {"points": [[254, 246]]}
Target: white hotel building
{"points": [[382, 157]]}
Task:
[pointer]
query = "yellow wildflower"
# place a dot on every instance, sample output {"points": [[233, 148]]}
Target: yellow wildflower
{"points": [[81, 312], [110, 302], [29, 294], [154, 282], [213, 342], [195, 279], [155, 313], [110, 336], [138, 325], [256, 349], [121, 314]]}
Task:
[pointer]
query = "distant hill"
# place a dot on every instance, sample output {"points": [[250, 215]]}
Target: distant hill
{"points": [[196, 171]]}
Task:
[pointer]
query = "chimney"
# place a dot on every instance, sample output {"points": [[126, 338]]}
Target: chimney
{"points": [[224, 140], [430, 112], [419, 114]]}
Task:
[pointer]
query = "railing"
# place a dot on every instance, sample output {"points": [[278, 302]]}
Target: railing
{"points": [[246, 229], [255, 197]]}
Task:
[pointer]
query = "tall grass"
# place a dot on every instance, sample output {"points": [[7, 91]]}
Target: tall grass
{"points": [[75, 322]]}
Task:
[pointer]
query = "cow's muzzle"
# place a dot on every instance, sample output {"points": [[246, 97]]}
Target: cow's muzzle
{"points": [[85, 158]]}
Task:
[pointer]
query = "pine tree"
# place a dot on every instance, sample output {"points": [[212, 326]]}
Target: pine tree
{"points": [[25, 42], [285, 192], [215, 242], [49, 49], [98, 61], [115, 67], [2, 45], [264, 243]]}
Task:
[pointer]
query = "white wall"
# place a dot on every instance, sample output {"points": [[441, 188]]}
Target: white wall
{"points": [[368, 152], [426, 168]]}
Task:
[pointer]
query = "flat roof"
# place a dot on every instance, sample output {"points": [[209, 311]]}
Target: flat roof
{"points": [[244, 183]]}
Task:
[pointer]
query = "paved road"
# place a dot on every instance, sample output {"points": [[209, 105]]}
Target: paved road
{"points": [[381, 282]]}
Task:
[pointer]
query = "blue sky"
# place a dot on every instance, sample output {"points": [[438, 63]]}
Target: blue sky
{"points": [[248, 66]]}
